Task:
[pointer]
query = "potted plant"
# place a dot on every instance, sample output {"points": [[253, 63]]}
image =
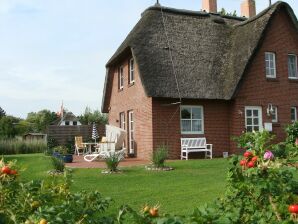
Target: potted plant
{"points": [[63, 153]]}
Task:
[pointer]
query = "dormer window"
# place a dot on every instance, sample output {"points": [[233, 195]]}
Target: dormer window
{"points": [[292, 66], [120, 78], [131, 71], [270, 65]]}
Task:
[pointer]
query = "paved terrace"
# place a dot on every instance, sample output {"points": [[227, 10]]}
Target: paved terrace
{"points": [[79, 162]]}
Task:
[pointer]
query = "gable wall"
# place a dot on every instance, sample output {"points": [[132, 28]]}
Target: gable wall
{"points": [[255, 90], [132, 97], [166, 125]]}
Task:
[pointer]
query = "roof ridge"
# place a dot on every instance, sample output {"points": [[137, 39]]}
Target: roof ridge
{"points": [[188, 12], [262, 13]]}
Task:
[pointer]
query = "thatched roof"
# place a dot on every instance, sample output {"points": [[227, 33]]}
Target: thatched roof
{"points": [[210, 52]]}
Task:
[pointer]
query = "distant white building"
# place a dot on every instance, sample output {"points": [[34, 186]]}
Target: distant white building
{"points": [[69, 119]]}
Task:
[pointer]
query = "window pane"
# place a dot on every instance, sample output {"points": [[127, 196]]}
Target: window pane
{"points": [[196, 125], [293, 114], [186, 113], [256, 121], [186, 125], [248, 113], [249, 121], [256, 128], [292, 66], [249, 128], [256, 113], [196, 113]]}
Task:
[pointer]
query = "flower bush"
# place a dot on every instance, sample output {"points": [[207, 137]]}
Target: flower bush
{"points": [[47, 201], [292, 132]]}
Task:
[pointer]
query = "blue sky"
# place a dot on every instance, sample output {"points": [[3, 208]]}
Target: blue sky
{"points": [[54, 50]]}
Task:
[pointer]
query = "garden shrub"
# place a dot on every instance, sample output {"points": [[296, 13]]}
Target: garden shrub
{"points": [[112, 160], [292, 132], [51, 143], [58, 164], [159, 156]]}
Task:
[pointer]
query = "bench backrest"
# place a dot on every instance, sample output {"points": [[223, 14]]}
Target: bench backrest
{"points": [[193, 142]]}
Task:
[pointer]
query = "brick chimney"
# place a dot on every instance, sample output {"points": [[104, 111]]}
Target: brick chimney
{"points": [[248, 8], [209, 5]]}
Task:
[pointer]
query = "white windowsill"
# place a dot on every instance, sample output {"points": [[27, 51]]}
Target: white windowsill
{"points": [[192, 133]]}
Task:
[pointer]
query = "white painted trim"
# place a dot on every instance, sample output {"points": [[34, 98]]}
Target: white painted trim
{"points": [[192, 132], [120, 73], [276, 110], [295, 108], [259, 108], [274, 64], [131, 133], [131, 70], [296, 64]]}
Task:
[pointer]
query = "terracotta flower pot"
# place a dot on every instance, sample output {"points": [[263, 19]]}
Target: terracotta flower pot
{"points": [[296, 141]]}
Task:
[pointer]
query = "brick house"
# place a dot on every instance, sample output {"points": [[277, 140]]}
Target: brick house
{"points": [[186, 73]]}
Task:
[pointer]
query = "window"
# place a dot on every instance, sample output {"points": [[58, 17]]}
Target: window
{"points": [[274, 114], [270, 65], [131, 132], [131, 71], [120, 78], [253, 119], [293, 114], [122, 120], [66, 122], [74, 123], [292, 66], [192, 120]]}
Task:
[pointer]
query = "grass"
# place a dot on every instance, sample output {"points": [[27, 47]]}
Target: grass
{"points": [[193, 183], [20, 146]]}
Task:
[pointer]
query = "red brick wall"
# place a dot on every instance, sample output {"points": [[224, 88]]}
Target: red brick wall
{"points": [[166, 125], [255, 90], [132, 97]]}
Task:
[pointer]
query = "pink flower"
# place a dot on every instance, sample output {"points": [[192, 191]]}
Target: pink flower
{"points": [[268, 155]]}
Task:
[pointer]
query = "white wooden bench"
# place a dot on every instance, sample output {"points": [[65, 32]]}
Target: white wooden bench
{"points": [[195, 145]]}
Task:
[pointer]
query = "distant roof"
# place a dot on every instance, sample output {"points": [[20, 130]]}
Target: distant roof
{"points": [[35, 134], [68, 116], [210, 51]]}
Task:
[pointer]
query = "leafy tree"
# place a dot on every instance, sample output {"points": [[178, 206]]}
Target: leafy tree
{"points": [[41, 119], [95, 116], [2, 113], [7, 127], [225, 13], [23, 127]]}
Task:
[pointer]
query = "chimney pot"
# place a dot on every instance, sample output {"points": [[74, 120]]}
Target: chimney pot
{"points": [[248, 8], [209, 5]]}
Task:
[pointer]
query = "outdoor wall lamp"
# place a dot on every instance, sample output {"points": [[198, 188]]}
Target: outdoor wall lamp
{"points": [[270, 109]]}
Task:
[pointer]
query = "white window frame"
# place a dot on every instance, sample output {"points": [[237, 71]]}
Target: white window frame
{"points": [[260, 118], [131, 132], [121, 77], [296, 66], [202, 119], [122, 120], [131, 71], [295, 109], [275, 120], [270, 68]]}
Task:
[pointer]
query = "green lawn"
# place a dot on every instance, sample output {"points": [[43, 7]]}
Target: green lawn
{"points": [[191, 184]]}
